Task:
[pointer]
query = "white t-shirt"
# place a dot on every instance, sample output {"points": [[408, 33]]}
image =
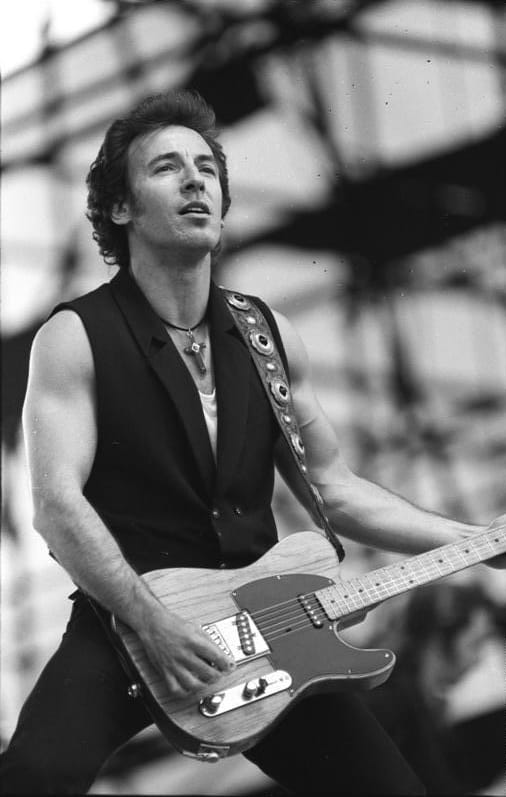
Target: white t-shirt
{"points": [[210, 408]]}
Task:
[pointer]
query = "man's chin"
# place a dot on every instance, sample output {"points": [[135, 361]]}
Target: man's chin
{"points": [[205, 242], [194, 247]]}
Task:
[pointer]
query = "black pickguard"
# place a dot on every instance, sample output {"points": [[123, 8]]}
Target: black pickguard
{"points": [[309, 653]]}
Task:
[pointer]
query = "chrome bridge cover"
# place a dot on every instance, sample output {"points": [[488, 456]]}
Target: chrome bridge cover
{"points": [[238, 636]]}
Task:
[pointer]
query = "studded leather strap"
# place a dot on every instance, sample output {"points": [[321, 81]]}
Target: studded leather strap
{"points": [[258, 337]]}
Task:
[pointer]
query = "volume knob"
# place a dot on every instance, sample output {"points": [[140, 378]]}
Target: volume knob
{"points": [[251, 689], [212, 703]]}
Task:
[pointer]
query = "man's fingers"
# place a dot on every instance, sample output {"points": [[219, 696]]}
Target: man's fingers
{"points": [[184, 680], [223, 664], [215, 657], [206, 670]]}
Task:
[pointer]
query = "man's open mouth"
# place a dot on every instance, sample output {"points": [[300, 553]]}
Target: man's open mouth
{"points": [[195, 207]]}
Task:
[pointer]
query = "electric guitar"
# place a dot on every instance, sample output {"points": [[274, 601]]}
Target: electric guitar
{"points": [[280, 619]]}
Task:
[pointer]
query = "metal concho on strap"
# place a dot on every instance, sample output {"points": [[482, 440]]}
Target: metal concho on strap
{"points": [[257, 334]]}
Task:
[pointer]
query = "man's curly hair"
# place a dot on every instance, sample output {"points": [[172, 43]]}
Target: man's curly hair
{"points": [[107, 178]]}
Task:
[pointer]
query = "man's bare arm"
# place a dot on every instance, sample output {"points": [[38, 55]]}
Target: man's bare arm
{"points": [[61, 437], [358, 508]]}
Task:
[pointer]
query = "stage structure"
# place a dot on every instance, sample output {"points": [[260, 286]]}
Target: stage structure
{"points": [[366, 145]]}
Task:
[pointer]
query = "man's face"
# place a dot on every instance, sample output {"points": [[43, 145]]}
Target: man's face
{"points": [[176, 198]]}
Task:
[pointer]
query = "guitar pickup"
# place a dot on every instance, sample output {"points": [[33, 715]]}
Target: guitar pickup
{"points": [[238, 636], [245, 693], [245, 633]]}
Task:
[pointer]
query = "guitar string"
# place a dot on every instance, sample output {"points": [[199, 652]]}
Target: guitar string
{"points": [[270, 613], [274, 613], [293, 628], [352, 584], [305, 620], [269, 617], [277, 617], [296, 623], [283, 603], [291, 604], [279, 622], [282, 621], [302, 615], [349, 592], [297, 606]]}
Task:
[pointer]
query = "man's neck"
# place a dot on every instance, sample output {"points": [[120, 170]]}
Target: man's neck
{"points": [[178, 292]]}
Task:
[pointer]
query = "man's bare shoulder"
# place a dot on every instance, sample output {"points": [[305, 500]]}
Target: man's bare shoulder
{"points": [[61, 347], [294, 347]]}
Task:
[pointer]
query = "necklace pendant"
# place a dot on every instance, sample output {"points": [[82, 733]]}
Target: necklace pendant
{"points": [[195, 349]]}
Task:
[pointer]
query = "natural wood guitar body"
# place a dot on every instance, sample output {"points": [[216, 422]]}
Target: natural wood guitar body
{"points": [[279, 618], [205, 596]]}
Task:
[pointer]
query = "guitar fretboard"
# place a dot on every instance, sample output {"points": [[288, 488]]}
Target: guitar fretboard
{"points": [[364, 592]]}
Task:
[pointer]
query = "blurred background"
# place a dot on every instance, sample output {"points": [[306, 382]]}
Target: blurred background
{"points": [[366, 143]]}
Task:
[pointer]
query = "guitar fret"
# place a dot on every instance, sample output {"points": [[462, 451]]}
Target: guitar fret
{"points": [[364, 592], [372, 589], [347, 593]]}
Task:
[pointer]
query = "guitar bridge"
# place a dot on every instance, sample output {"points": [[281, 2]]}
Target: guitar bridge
{"points": [[238, 636]]}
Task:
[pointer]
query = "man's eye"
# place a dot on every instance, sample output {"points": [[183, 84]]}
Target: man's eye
{"points": [[208, 169]]}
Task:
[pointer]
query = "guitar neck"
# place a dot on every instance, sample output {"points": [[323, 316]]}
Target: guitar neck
{"points": [[363, 592]]}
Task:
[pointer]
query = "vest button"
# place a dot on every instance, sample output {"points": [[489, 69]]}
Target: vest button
{"points": [[222, 565], [237, 510], [215, 513]]}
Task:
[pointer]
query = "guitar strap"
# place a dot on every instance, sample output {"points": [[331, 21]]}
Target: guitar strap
{"points": [[257, 335]]}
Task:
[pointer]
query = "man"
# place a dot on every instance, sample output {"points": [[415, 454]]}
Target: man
{"points": [[130, 471]]}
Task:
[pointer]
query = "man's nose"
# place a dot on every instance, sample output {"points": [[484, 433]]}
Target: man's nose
{"points": [[192, 179]]}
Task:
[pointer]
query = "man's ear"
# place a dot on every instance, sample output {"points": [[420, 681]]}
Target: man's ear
{"points": [[120, 213]]}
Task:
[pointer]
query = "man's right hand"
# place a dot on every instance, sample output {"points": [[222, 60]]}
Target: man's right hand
{"points": [[182, 652]]}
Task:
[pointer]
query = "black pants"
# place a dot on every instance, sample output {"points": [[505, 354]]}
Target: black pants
{"points": [[79, 713]]}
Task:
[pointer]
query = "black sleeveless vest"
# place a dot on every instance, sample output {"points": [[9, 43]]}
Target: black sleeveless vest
{"points": [[154, 481]]}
